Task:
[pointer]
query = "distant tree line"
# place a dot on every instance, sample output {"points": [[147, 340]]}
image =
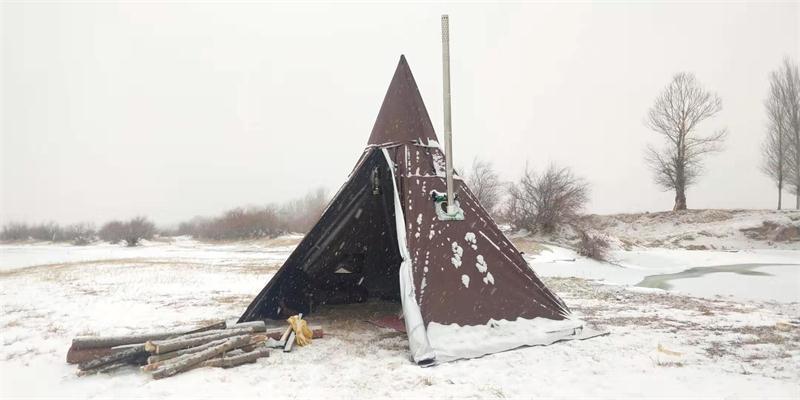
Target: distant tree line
{"points": [[240, 223], [130, 232], [80, 234], [297, 215]]}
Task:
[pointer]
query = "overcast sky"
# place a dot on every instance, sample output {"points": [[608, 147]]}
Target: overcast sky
{"points": [[177, 110]]}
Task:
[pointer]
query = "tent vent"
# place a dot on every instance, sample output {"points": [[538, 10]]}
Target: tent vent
{"points": [[440, 204]]}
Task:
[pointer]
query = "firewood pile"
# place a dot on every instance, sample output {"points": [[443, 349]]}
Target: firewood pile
{"points": [[164, 354]]}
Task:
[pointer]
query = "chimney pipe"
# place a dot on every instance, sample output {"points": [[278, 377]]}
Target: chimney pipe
{"points": [[448, 134]]}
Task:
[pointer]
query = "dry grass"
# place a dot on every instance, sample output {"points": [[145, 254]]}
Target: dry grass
{"points": [[528, 245], [242, 300], [612, 308]]}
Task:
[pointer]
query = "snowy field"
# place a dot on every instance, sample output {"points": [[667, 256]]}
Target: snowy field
{"points": [[731, 331]]}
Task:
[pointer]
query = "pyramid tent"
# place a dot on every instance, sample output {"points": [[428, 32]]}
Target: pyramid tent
{"points": [[465, 290]]}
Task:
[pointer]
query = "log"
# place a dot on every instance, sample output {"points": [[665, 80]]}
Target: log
{"points": [[316, 331], [260, 326], [278, 334], [168, 356], [94, 342], [182, 342], [157, 361], [238, 359], [253, 326], [247, 327], [103, 369], [81, 350], [191, 360], [85, 355], [130, 355], [286, 334], [216, 325], [77, 356], [287, 347]]}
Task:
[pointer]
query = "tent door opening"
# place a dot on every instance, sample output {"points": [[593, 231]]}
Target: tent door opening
{"points": [[351, 254]]}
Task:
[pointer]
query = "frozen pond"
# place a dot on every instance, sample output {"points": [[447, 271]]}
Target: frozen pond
{"points": [[756, 281]]}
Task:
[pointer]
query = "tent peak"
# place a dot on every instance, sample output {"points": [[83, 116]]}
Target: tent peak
{"points": [[403, 116]]}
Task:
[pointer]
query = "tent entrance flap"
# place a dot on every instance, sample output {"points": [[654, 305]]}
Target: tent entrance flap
{"points": [[349, 256]]}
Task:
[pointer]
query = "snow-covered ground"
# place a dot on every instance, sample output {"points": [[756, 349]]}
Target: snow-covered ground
{"points": [[769, 275], [719, 334], [15, 256], [700, 229]]}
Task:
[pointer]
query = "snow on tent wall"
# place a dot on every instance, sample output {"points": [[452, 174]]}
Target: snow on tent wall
{"points": [[453, 342], [415, 326]]}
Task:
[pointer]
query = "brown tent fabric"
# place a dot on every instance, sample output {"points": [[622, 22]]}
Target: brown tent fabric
{"points": [[403, 117], [466, 290]]}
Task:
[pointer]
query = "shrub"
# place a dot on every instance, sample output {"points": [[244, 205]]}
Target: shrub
{"points": [[593, 246], [137, 229], [112, 232], [15, 231], [300, 215], [80, 234], [541, 202], [485, 184], [49, 231]]}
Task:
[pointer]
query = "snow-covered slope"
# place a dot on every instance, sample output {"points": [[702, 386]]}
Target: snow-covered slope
{"points": [[694, 229]]}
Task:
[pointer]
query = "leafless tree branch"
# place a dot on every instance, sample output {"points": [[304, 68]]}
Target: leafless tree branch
{"points": [[541, 202], [675, 115]]}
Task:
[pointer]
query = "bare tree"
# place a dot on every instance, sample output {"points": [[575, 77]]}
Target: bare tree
{"points": [[675, 115], [80, 234], [300, 215], [15, 231], [112, 232], [541, 202], [137, 229], [485, 184], [593, 246], [775, 149], [785, 82]]}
